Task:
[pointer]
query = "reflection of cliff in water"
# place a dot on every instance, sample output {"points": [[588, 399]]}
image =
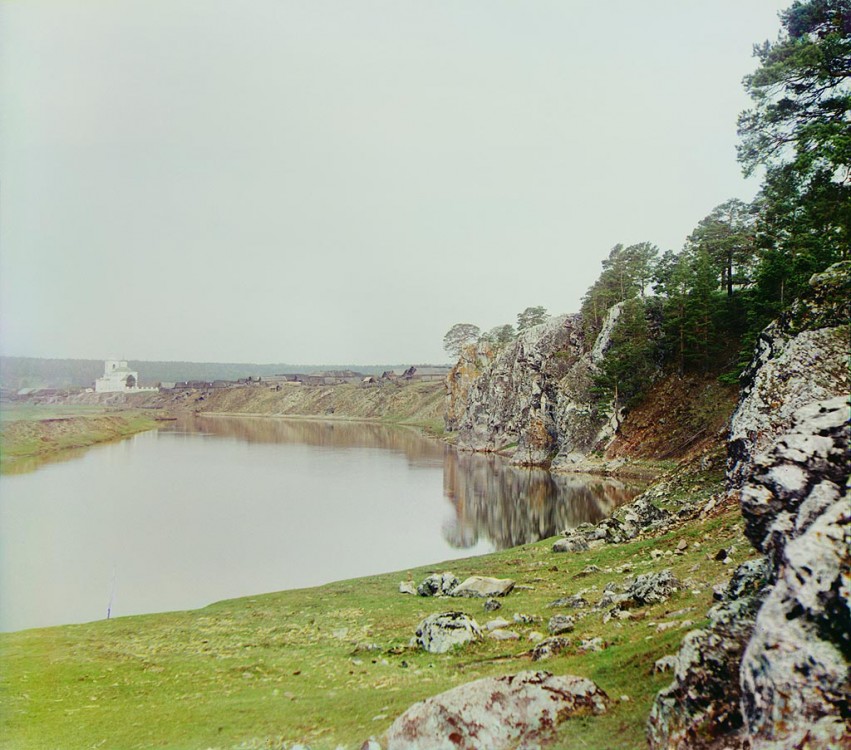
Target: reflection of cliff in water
{"points": [[322, 434], [492, 500], [511, 505]]}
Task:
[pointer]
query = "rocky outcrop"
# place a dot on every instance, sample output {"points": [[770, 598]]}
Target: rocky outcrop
{"points": [[772, 669], [703, 704], [795, 670], [445, 631], [511, 403], [495, 713], [799, 359]]}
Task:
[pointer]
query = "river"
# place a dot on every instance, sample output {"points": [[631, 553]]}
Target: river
{"points": [[219, 507]]}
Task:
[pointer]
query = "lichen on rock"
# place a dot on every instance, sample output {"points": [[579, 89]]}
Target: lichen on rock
{"points": [[496, 713]]}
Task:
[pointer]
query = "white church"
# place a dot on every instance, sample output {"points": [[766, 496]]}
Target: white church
{"points": [[118, 378]]}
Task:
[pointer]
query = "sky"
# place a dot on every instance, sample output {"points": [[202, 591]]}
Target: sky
{"points": [[342, 181]]}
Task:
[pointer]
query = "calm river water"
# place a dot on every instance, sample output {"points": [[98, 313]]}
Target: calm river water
{"points": [[215, 508]]}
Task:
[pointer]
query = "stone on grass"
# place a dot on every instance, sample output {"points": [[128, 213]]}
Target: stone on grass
{"points": [[438, 584], [504, 635], [491, 605], [495, 713], [560, 624], [549, 647], [573, 543], [500, 622], [653, 588], [407, 587], [481, 586], [444, 631]]}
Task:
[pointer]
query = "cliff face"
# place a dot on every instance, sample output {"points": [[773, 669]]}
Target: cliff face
{"points": [[531, 400], [772, 669]]}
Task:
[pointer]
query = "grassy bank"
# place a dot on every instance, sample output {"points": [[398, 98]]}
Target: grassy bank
{"points": [[31, 435], [414, 403], [332, 665]]}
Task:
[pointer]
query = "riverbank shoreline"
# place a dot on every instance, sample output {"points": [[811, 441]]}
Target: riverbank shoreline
{"points": [[32, 436]]}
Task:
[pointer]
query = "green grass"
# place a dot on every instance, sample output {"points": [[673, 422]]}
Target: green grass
{"points": [[285, 667], [32, 435]]}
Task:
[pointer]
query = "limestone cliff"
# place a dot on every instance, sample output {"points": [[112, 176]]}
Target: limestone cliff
{"points": [[532, 399]]}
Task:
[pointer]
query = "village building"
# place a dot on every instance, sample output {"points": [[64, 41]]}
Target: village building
{"points": [[118, 378]]}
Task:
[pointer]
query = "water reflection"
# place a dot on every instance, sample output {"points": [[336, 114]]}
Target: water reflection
{"points": [[335, 434], [493, 501], [515, 505]]}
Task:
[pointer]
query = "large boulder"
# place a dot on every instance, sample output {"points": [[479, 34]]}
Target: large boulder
{"points": [[444, 631], [483, 587], [495, 713]]}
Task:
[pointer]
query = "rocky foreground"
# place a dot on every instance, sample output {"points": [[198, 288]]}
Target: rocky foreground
{"points": [[771, 669]]}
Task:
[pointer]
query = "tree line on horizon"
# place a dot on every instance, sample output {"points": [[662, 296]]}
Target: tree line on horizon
{"points": [[699, 310]]}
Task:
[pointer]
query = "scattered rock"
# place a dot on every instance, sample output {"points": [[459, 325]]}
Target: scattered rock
{"points": [[575, 602], [535, 636], [682, 546], [481, 586], [504, 635], [496, 624], [591, 644], [549, 647], [407, 587], [491, 605], [442, 632], [438, 584], [575, 542], [495, 713], [527, 619], [653, 588], [560, 624]]}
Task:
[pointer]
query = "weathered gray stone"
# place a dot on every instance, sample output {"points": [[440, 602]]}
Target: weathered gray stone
{"points": [[442, 632], [438, 584], [577, 601], [484, 587], [504, 635], [549, 647], [799, 360], [559, 624], [491, 605], [703, 701], [407, 587], [495, 713], [653, 588], [781, 486], [573, 543]]}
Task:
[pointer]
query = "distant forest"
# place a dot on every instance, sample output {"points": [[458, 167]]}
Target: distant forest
{"points": [[31, 372]]}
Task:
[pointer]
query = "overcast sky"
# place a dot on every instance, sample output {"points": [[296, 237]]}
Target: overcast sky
{"points": [[317, 181]]}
